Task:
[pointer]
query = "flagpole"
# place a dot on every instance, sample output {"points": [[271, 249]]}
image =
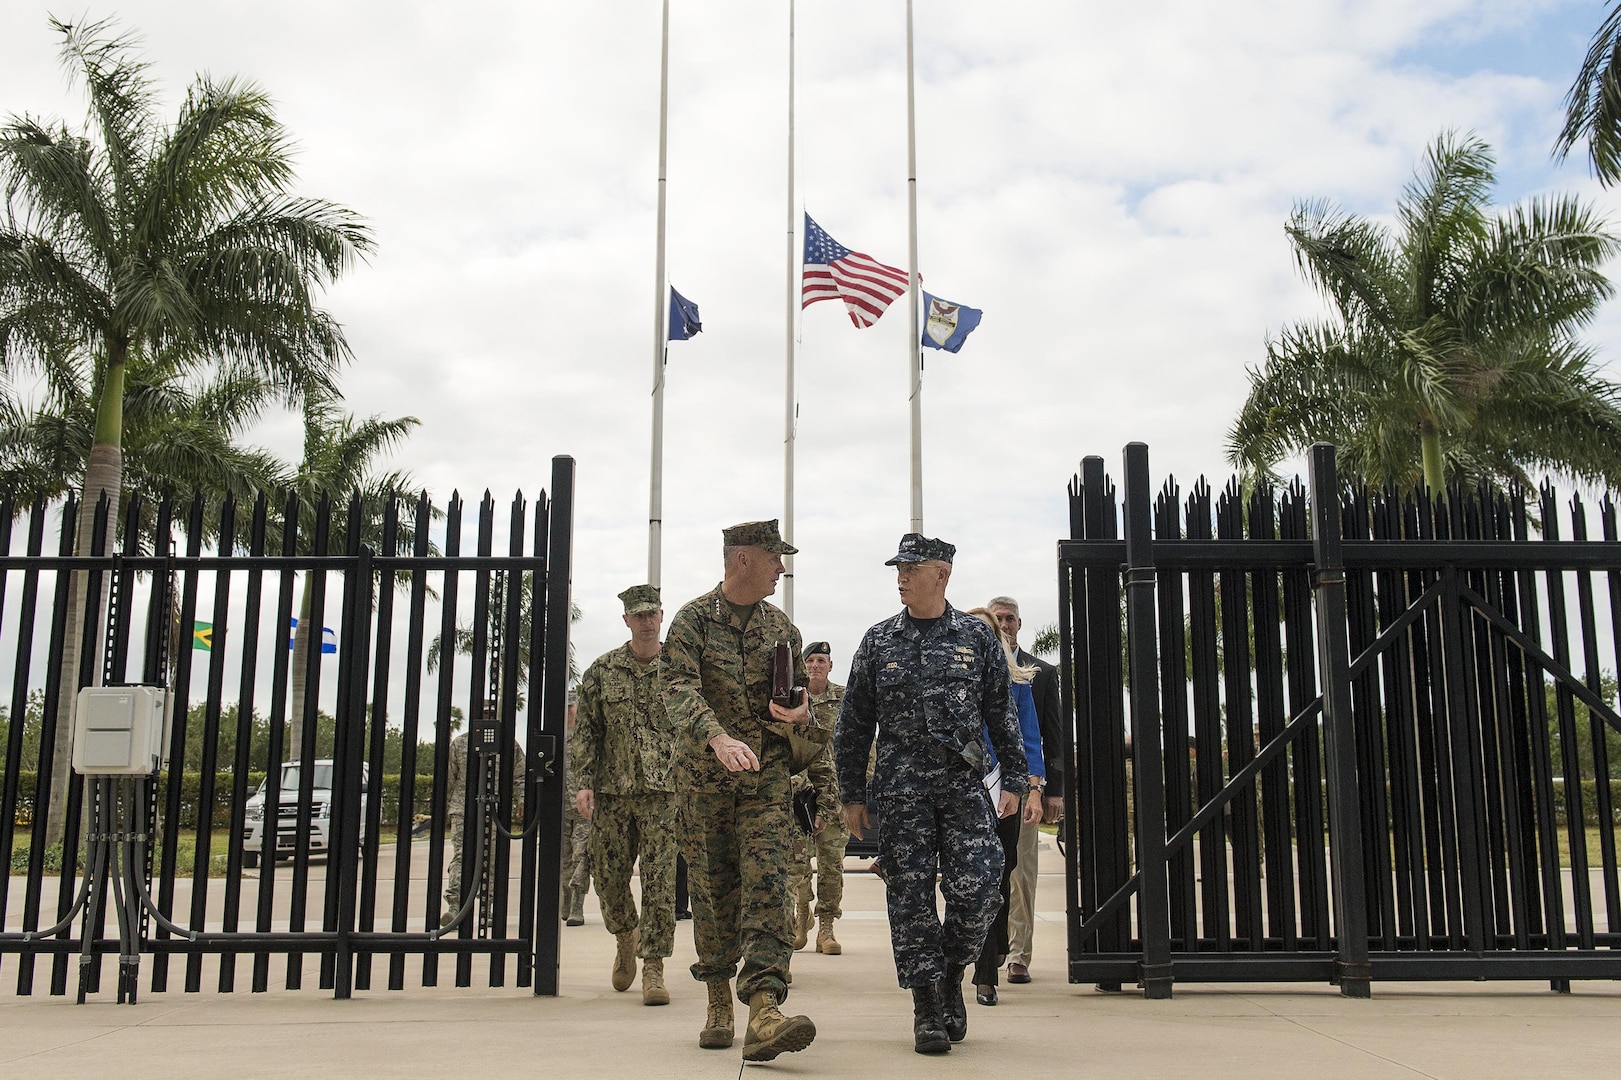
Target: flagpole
{"points": [[792, 307], [914, 353], [661, 304]]}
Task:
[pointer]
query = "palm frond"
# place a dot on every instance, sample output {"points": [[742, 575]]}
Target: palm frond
{"points": [[1593, 103]]}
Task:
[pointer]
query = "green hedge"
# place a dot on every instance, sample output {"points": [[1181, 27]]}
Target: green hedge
{"points": [[1589, 801], [191, 782]]}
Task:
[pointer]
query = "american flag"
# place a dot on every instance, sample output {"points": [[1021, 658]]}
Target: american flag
{"points": [[834, 272]]}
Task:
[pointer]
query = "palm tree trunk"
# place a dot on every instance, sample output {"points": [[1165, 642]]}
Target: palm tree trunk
{"points": [[298, 676], [1435, 471], [104, 472]]}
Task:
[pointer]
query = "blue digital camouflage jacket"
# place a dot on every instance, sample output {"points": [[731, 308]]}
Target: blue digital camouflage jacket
{"points": [[930, 698]]}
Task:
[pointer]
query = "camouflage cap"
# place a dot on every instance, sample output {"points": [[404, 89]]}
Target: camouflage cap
{"points": [[760, 534], [915, 547], [639, 598], [821, 648]]}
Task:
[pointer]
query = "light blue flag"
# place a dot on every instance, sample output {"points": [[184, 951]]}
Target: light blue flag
{"points": [[329, 640], [947, 325]]}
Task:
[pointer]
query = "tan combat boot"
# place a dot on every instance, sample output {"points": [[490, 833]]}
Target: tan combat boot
{"points": [[802, 923], [771, 1033], [653, 989], [825, 941], [576, 909], [717, 1032], [624, 972]]}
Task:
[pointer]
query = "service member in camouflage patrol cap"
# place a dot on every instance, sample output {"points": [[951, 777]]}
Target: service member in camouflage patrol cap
{"points": [[933, 681], [456, 795], [734, 772], [623, 760]]}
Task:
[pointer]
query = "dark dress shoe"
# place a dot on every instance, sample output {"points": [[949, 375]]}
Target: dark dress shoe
{"points": [[985, 993], [683, 915], [1018, 973]]}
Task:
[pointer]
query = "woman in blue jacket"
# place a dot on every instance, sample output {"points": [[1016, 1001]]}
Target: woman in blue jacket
{"points": [[1022, 701]]}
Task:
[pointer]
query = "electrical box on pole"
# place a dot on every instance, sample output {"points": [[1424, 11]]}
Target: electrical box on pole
{"points": [[119, 730]]}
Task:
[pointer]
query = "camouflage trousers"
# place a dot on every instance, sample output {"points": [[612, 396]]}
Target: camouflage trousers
{"points": [[828, 848], [738, 874], [626, 829], [455, 832], [576, 874], [950, 833]]}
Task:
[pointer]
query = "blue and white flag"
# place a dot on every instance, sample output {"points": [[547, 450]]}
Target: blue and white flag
{"points": [[329, 640], [683, 317], [947, 325]]}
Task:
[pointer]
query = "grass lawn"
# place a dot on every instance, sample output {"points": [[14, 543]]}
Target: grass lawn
{"points": [[185, 854]]}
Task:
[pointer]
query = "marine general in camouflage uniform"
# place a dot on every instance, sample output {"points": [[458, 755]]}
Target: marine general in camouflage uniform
{"points": [[576, 829], [830, 836], [624, 749], [735, 769], [934, 683]]}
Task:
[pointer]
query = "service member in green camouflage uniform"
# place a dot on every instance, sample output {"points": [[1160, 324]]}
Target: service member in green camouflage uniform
{"points": [[455, 816], [830, 834], [576, 830], [624, 762], [734, 778]]}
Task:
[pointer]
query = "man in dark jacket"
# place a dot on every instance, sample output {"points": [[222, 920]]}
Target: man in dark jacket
{"points": [[1022, 887]]}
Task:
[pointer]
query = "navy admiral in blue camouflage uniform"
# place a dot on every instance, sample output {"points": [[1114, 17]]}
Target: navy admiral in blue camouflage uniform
{"points": [[933, 683]]}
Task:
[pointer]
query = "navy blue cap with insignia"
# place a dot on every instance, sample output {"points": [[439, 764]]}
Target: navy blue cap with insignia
{"points": [[915, 547]]}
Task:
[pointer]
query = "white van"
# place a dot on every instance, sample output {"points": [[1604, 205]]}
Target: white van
{"points": [[253, 827]]}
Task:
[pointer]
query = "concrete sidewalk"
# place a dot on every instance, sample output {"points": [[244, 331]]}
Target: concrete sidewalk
{"points": [[1048, 1027]]}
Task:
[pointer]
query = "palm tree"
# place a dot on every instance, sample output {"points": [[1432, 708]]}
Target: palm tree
{"points": [[338, 454], [181, 435], [1452, 351], [139, 238], [526, 605], [1593, 103]]}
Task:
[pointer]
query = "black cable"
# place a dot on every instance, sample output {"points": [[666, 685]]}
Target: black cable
{"points": [[100, 861], [472, 894], [128, 948]]}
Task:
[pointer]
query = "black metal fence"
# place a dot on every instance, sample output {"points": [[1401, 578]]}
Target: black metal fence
{"points": [[251, 884], [1371, 736]]}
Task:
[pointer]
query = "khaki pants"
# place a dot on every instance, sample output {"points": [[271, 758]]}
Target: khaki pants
{"points": [[1021, 915]]}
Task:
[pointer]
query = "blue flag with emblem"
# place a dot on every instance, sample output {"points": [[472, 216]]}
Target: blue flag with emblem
{"points": [[683, 317], [947, 325]]}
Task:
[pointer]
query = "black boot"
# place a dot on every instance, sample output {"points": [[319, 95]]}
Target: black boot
{"points": [[928, 1026], [952, 1007]]}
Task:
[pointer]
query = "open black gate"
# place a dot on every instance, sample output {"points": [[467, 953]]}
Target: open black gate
{"points": [[1371, 737], [245, 853]]}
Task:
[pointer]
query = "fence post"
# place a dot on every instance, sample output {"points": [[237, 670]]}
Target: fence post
{"points": [[1153, 902], [559, 578], [1352, 969], [349, 754]]}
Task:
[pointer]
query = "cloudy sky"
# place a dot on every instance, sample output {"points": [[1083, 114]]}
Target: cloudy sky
{"points": [[1108, 182]]}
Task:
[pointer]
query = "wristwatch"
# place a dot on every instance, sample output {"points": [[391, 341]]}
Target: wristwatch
{"points": [[1037, 783]]}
